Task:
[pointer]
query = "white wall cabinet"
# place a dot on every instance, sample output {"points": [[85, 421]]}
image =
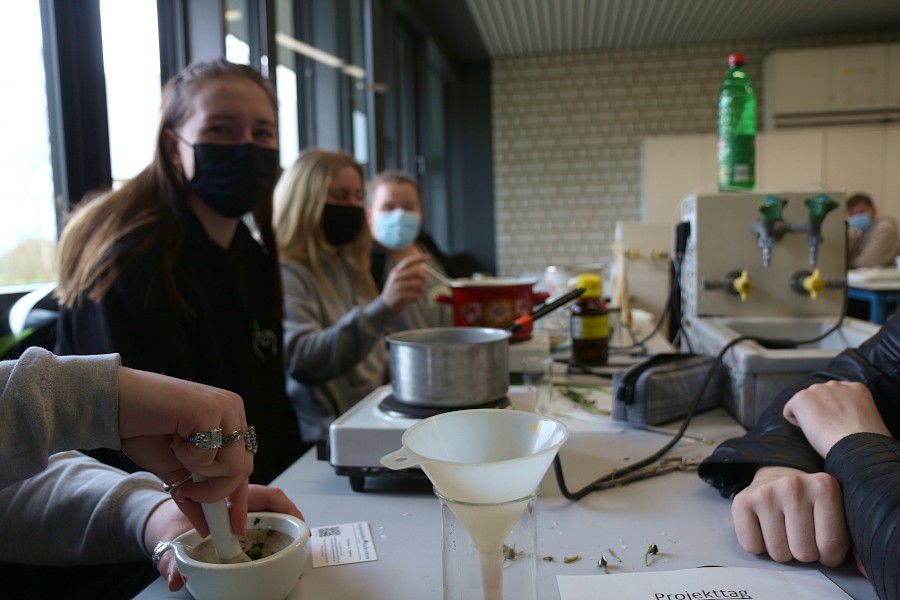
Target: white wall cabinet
{"points": [[679, 165], [854, 160], [891, 202], [836, 85], [893, 75], [796, 81], [861, 158], [790, 160], [858, 78]]}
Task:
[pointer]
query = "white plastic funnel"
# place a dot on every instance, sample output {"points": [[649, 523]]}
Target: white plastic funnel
{"points": [[489, 461], [481, 455]]}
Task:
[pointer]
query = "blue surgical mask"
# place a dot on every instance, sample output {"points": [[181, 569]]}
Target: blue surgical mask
{"points": [[397, 229], [861, 221]]}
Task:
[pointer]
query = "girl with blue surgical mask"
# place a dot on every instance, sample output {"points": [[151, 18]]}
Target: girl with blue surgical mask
{"points": [[394, 213]]}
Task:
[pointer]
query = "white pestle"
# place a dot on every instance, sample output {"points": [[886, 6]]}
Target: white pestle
{"points": [[225, 541]]}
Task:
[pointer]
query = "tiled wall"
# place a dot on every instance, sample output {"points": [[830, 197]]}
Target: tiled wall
{"points": [[567, 135]]}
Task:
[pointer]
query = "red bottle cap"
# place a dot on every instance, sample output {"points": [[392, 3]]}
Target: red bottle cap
{"points": [[736, 59]]}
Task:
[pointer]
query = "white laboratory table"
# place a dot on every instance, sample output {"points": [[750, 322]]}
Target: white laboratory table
{"points": [[687, 520]]}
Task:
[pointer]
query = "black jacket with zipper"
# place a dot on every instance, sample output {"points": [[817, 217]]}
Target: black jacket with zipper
{"points": [[866, 465], [230, 338]]}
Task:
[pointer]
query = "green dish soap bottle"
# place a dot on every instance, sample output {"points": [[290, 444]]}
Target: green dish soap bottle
{"points": [[737, 129]]}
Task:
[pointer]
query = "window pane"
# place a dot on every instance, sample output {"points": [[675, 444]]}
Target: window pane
{"points": [[288, 115], [27, 211], [356, 83], [131, 61], [286, 80], [237, 32]]}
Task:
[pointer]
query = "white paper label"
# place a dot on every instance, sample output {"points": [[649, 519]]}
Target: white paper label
{"points": [[693, 584], [342, 544]]}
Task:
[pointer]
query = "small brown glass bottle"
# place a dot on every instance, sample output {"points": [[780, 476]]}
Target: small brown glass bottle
{"points": [[590, 323]]}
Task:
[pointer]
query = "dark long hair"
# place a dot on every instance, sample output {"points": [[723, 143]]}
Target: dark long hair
{"points": [[147, 210]]}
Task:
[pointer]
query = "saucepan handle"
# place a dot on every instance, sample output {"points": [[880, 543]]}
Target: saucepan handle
{"points": [[403, 458]]}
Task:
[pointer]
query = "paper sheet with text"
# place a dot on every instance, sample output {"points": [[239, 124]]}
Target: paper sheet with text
{"points": [[701, 584], [341, 544]]}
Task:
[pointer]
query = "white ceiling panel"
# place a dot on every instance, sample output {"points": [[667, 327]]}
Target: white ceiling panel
{"points": [[533, 27]]}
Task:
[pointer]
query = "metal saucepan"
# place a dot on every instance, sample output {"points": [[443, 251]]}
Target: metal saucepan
{"points": [[450, 367]]}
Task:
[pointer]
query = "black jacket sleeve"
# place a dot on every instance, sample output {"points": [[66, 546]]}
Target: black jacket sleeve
{"points": [[132, 320], [772, 441], [868, 467]]}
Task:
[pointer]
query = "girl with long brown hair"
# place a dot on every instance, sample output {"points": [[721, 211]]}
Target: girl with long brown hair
{"points": [[165, 271]]}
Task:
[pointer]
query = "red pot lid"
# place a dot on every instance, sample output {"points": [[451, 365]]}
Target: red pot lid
{"points": [[494, 282]]}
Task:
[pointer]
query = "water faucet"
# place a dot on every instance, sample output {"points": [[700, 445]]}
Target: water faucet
{"points": [[812, 284], [818, 207], [742, 284], [770, 226], [737, 283]]}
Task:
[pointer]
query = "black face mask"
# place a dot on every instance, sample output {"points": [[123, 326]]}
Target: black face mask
{"points": [[342, 222], [233, 179]]}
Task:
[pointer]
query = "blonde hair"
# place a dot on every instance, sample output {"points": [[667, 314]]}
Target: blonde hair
{"points": [[300, 198], [104, 234]]}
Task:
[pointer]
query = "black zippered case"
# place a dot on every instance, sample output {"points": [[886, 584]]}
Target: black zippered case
{"points": [[662, 388]]}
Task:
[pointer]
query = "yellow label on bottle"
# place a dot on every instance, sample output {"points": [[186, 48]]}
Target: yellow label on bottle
{"points": [[590, 328]]}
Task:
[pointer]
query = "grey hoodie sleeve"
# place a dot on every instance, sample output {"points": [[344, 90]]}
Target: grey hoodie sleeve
{"points": [[50, 403], [77, 511], [321, 340]]}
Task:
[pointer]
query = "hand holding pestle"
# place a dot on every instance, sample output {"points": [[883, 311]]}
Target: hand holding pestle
{"points": [[226, 542]]}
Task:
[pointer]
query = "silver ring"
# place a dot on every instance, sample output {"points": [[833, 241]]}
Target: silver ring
{"points": [[168, 487], [232, 437], [207, 440], [158, 551], [250, 442]]}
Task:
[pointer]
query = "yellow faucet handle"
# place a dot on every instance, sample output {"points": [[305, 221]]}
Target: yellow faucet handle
{"points": [[656, 254], [743, 286], [632, 254], [814, 284]]}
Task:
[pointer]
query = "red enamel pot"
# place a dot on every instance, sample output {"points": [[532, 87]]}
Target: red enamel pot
{"points": [[492, 303]]}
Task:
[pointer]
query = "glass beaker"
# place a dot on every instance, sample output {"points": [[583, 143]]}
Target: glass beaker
{"points": [[537, 373], [489, 550]]}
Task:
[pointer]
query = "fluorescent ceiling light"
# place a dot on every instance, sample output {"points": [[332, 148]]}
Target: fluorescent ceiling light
{"points": [[354, 71], [314, 53]]}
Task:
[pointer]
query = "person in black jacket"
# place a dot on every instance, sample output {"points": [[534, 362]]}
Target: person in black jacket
{"points": [[819, 473], [165, 272]]}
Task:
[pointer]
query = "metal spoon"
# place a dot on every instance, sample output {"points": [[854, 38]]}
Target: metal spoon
{"points": [[438, 275]]}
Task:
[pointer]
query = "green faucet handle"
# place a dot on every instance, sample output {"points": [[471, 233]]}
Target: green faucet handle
{"points": [[819, 206], [771, 209]]}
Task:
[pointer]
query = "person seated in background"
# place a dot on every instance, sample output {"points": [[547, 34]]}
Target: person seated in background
{"points": [[165, 272], [394, 214], [873, 241], [60, 508], [335, 318], [819, 473]]}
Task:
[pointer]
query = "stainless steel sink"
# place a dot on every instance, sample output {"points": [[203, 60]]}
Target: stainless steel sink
{"points": [[760, 370]]}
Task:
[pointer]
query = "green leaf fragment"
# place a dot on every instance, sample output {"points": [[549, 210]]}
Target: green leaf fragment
{"points": [[652, 550]]}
